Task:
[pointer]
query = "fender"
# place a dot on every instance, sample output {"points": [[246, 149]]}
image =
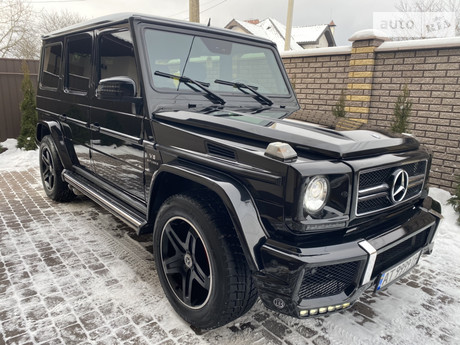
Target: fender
{"points": [[236, 198], [54, 129]]}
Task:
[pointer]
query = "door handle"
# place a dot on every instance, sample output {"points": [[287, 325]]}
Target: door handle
{"points": [[95, 127]]}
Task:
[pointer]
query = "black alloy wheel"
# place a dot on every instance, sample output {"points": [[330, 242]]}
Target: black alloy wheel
{"points": [[47, 169], [200, 262], [50, 170], [186, 262]]}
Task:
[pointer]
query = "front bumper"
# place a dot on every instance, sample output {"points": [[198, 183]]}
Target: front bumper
{"points": [[304, 282]]}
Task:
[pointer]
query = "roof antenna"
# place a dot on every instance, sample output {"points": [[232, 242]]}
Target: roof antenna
{"points": [[209, 22]]}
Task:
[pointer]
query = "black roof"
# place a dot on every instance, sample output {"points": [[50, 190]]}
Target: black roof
{"points": [[119, 18]]}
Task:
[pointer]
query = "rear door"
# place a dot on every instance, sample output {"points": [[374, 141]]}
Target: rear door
{"points": [[75, 106], [116, 126]]}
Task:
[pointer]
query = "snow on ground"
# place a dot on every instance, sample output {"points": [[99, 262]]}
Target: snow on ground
{"points": [[14, 158], [423, 308]]}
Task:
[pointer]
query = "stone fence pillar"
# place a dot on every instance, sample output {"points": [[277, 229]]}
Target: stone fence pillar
{"points": [[361, 72]]}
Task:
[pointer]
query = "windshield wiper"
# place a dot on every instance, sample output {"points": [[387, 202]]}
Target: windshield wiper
{"points": [[264, 100], [213, 97]]}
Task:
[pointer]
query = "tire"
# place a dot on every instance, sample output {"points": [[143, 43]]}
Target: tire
{"points": [[200, 263], [50, 172]]}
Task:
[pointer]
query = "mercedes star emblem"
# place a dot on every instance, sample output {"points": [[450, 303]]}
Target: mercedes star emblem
{"points": [[399, 186]]}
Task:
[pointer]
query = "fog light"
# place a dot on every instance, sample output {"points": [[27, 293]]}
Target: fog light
{"points": [[346, 305], [322, 310], [330, 308], [313, 311], [303, 312], [337, 307]]}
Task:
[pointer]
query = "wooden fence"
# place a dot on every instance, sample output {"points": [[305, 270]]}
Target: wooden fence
{"points": [[11, 76]]}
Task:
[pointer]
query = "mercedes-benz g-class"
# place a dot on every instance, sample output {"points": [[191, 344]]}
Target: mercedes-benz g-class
{"points": [[183, 130]]}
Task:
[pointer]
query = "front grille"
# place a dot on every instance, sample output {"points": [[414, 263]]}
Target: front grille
{"points": [[329, 280], [374, 187], [392, 256], [373, 178], [370, 205]]}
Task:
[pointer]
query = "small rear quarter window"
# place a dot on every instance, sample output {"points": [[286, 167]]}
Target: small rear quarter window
{"points": [[51, 66]]}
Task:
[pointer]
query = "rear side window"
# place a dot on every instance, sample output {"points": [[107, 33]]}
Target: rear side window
{"points": [[79, 63], [51, 66]]}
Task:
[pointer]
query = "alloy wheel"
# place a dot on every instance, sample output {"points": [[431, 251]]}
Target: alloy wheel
{"points": [[186, 263], [47, 168]]}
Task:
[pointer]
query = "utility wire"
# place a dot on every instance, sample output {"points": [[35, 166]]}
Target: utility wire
{"points": [[213, 6], [207, 3]]}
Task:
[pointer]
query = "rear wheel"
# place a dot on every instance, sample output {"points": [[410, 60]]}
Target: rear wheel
{"points": [[200, 262], [50, 171]]}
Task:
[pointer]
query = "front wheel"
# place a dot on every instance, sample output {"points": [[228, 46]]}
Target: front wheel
{"points": [[200, 263]]}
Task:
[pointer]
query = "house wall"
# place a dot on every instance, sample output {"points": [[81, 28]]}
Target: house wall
{"points": [[322, 42], [238, 29], [372, 74]]}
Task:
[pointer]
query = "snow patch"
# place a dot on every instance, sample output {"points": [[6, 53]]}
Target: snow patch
{"points": [[17, 159]]}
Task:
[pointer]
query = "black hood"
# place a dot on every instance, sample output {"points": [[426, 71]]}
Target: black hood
{"points": [[301, 136]]}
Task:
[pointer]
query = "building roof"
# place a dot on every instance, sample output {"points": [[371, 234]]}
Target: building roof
{"points": [[273, 30], [308, 34]]}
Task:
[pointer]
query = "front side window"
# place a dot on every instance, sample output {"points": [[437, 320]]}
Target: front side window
{"points": [[51, 66], [79, 63], [207, 60], [116, 56]]}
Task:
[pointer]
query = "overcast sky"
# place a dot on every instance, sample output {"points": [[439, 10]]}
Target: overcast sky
{"points": [[349, 16]]}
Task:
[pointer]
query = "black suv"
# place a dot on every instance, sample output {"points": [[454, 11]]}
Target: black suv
{"points": [[182, 130]]}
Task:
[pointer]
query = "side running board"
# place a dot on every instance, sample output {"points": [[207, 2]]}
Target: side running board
{"points": [[128, 215]]}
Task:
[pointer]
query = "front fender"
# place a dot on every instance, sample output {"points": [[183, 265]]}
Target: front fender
{"points": [[54, 129], [236, 199]]}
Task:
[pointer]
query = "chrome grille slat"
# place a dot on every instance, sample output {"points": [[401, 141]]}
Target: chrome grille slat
{"points": [[373, 196], [374, 187], [374, 190]]}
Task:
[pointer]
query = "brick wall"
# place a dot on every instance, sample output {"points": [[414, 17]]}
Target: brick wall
{"points": [[319, 79], [372, 74]]}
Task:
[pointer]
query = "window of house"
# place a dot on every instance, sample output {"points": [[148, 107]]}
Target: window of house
{"points": [[79, 63], [51, 66]]}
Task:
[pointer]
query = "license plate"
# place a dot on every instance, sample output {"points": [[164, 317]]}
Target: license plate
{"points": [[397, 271]]}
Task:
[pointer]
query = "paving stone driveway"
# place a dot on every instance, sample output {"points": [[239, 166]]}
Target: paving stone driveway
{"points": [[71, 273]]}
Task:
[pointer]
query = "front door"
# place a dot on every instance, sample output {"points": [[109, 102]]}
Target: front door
{"points": [[116, 126]]}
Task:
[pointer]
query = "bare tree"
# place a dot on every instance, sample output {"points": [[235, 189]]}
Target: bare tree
{"points": [[432, 6], [21, 28], [52, 21], [15, 26]]}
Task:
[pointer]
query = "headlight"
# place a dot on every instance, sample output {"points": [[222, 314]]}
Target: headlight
{"points": [[316, 194]]}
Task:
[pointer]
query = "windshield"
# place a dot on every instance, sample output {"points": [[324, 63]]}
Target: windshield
{"points": [[207, 60]]}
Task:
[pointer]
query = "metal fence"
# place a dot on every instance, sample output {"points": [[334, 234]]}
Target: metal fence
{"points": [[11, 76]]}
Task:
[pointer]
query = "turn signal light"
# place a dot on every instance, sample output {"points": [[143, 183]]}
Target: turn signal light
{"points": [[280, 151]]}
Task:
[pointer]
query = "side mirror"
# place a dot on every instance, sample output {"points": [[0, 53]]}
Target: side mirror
{"points": [[116, 89]]}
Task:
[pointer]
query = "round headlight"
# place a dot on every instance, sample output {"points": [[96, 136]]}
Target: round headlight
{"points": [[316, 194]]}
